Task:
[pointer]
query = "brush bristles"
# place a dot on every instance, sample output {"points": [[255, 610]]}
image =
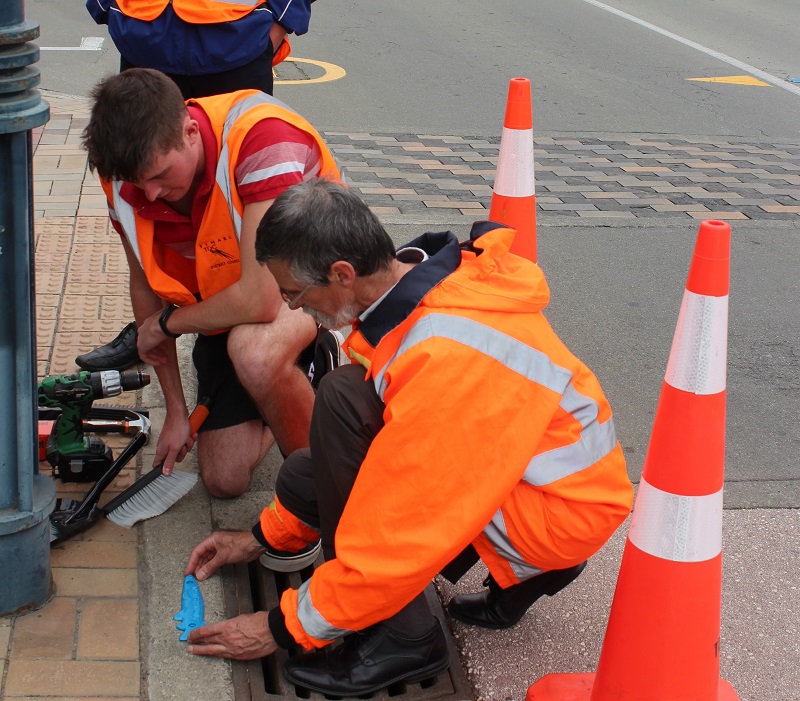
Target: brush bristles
{"points": [[154, 499]]}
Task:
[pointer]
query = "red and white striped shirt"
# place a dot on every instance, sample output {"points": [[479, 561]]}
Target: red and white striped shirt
{"points": [[274, 156]]}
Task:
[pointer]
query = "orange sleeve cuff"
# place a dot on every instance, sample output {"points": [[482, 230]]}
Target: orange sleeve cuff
{"points": [[283, 530], [289, 609], [282, 51]]}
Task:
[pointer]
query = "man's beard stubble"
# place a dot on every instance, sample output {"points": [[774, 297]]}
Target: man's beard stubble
{"points": [[344, 317]]}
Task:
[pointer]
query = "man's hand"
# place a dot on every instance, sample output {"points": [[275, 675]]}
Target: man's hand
{"points": [[276, 36], [245, 637], [174, 440], [222, 548]]}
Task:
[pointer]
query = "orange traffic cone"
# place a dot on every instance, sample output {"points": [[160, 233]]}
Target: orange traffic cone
{"points": [[662, 640], [514, 194]]}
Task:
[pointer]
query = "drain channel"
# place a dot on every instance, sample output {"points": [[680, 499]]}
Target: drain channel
{"points": [[251, 587]]}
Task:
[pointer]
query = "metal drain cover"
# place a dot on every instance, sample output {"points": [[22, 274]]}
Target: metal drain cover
{"points": [[251, 587]]}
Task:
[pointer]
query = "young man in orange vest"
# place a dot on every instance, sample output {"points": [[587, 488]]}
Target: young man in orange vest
{"points": [[187, 184], [464, 429], [221, 47]]}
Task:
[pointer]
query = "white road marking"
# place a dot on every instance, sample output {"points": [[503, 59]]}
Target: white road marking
{"points": [[752, 70], [87, 44]]}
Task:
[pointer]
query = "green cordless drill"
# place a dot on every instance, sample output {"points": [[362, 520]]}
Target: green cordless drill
{"points": [[74, 456]]}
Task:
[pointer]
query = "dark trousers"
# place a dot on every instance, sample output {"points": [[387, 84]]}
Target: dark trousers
{"points": [[315, 483], [256, 75]]}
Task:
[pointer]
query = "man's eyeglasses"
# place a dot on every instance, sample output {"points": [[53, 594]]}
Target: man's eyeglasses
{"points": [[293, 302]]}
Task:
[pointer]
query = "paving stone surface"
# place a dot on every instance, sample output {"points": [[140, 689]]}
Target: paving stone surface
{"points": [[616, 176]]}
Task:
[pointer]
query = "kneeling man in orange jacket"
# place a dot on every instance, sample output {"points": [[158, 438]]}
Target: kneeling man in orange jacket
{"points": [[463, 430]]}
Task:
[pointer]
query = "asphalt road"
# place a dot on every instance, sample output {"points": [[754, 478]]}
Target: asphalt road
{"points": [[442, 68], [62, 26]]}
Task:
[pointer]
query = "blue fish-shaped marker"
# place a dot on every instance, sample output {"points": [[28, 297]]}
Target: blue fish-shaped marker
{"points": [[192, 609]]}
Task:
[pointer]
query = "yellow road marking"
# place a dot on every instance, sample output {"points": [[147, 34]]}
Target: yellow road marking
{"points": [[332, 72], [734, 80]]}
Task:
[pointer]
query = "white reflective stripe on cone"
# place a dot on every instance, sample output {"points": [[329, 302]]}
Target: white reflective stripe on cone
{"points": [[675, 527], [699, 355], [515, 164]]}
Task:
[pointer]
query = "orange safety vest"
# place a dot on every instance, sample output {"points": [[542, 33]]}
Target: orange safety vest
{"points": [[216, 265], [192, 11], [495, 435]]}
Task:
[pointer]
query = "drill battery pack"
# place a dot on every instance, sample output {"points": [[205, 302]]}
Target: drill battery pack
{"points": [[86, 466], [91, 462]]}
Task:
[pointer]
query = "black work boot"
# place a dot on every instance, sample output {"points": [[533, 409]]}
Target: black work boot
{"points": [[369, 661], [119, 354], [502, 608]]}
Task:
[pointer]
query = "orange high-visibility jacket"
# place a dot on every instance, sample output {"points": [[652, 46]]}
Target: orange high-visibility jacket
{"points": [[216, 265], [495, 435]]}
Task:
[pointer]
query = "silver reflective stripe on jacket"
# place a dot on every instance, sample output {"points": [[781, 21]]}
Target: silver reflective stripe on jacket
{"points": [[497, 535], [507, 350], [312, 621], [125, 215], [596, 439], [223, 174]]}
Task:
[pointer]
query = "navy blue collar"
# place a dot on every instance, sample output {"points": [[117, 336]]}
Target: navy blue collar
{"points": [[445, 257]]}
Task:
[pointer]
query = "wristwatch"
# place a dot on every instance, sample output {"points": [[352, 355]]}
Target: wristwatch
{"points": [[162, 321]]}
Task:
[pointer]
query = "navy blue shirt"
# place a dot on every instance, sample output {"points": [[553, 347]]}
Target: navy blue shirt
{"points": [[171, 45]]}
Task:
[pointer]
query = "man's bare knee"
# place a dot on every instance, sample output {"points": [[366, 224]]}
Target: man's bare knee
{"points": [[223, 486], [259, 350], [228, 457]]}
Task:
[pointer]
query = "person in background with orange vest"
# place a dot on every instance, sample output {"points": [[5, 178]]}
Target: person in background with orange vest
{"points": [[208, 48], [463, 430], [187, 185]]}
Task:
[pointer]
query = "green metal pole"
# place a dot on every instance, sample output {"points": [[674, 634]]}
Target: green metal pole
{"points": [[26, 496]]}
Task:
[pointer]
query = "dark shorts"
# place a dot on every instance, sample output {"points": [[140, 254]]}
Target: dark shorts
{"points": [[216, 378]]}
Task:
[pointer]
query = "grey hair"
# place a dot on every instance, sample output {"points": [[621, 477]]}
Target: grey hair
{"points": [[313, 224]]}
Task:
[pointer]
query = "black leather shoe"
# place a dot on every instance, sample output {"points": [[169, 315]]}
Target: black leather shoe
{"points": [[502, 608], [370, 661], [120, 354]]}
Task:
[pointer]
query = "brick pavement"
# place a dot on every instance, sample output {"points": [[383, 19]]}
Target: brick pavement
{"points": [[620, 176], [85, 642]]}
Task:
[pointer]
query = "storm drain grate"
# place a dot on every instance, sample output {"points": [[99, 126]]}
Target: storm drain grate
{"points": [[251, 587]]}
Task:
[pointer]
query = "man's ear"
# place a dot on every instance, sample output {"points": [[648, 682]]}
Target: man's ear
{"points": [[191, 129], [342, 273]]}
